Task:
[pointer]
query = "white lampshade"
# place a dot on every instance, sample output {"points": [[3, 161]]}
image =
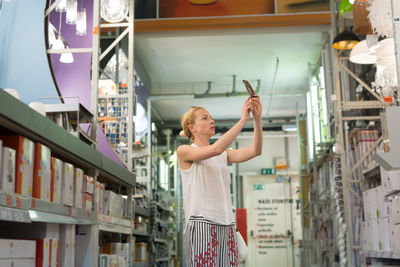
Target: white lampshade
{"points": [[72, 11], [62, 6], [386, 61], [67, 57], [81, 22], [360, 54], [57, 44], [114, 10]]}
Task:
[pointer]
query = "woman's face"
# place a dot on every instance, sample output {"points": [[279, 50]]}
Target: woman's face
{"points": [[203, 123]]}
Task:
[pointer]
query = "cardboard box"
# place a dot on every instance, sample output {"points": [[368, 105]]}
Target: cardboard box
{"points": [[17, 249], [89, 185], [17, 262], [55, 251], [369, 206], [99, 197], [141, 252], [394, 235], [56, 180], [390, 180], [88, 202], [68, 185], [375, 232], [24, 149], [7, 176], [113, 204], [383, 234], [43, 252], [42, 173], [364, 239], [378, 200], [78, 188], [387, 209], [395, 215], [67, 250]]}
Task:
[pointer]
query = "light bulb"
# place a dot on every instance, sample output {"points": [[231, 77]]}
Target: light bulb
{"points": [[81, 22], [72, 10], [62, 6]]}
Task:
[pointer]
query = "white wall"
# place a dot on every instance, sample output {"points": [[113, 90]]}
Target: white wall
{"points": [[273, 146]]}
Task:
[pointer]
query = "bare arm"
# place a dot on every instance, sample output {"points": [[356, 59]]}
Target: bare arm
{"points": [[188, 153], [255, 149]]}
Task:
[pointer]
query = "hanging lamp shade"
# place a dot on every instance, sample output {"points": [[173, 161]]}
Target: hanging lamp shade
{"points": [[360, 54], [345, 40]]}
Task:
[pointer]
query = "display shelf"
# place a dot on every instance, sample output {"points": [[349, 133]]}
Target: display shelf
{"points": [[162, 259], [14, 215], [161, 223], [12, 200], [18, 118], [140, 233], [161, 240], [142, 211], [85, 116], [380, 254]]}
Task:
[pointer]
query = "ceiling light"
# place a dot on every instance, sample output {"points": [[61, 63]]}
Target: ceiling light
{"points": [[66, 57], [345, 40], [62, 6]]}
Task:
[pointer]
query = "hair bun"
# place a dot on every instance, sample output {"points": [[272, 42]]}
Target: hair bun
{"points": [[182, 134]]}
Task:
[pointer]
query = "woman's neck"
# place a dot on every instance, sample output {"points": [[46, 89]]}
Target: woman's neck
{"points": [[201, 141]]}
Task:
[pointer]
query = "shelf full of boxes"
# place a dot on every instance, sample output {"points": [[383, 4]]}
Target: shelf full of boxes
{"points": [[51, 193]]}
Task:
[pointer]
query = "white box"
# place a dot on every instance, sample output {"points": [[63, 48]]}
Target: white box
{"points": [[390, 180], [99, 197], [113, 204], [375, 233], [369, 235], [383, 234], [364, 238], [55, 251], [17, 249], [395, 216], [17, 263], [387, 209], [89, 185], [68, 185], [42, 173], [379, 199], [78, 188], [88, 201], [7, 178], [57, 180], [394, 235], [67, 249]]}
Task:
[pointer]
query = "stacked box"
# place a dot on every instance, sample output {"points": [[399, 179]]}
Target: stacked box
{"points": [[67, 250], [43, 252], [113, 204], [78, 188], [56, 180], [68, 184], [390, 180], [42, 173], [88, 202], [89, 185], [23, 162], [7, 178]]}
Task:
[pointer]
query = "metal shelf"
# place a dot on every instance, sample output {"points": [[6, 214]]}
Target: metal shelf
{"points": [[161, 206], [114, 224], [140, 264], [160, 240], [162, 259], [142, 211], [14, 215], [380, 254], [140, 233]]}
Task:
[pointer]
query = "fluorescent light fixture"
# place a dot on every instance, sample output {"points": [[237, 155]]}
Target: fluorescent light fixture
{"points": [[310, 138], [289, 127]]}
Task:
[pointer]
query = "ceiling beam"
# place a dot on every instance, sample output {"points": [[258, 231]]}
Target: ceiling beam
{"points": [[260, 21]]}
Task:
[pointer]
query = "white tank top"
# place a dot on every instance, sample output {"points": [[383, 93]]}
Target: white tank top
{"points": [[206, 190]]}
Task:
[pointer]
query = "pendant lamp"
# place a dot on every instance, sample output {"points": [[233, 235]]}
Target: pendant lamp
{"points": [[81, 22], [72, 10], [360, 54], [62, 6], [114, 10], [345, 40]]}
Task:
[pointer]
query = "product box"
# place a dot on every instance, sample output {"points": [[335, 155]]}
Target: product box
{"points": [[364, 238], [17, 249], [113, 204], [67, 249], [375, 233], [141, 252], [378, 199], [17, 262], [7, 176], [395, 215], [367, 204], [88, 202], [42, 173], [68, 184], [383, 234], [43, 252], [24, 149], [89, 185], [55, 251], [390, 180], [394, 235], [99, 197], [387, 209], [78, 188], [56, 180]]}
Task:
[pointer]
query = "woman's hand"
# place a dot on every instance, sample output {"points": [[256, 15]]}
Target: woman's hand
{"points": [[257, 108], [246, 109]]}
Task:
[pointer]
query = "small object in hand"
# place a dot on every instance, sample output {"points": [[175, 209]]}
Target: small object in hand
{"points": [[249, 88]]}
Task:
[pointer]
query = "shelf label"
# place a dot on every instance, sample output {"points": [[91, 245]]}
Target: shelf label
{"points": [[18, 200], [4, 200], [8, 200], [14, 201]]}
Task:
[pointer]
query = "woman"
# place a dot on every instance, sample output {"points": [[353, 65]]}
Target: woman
{"points": [[209, 234]]}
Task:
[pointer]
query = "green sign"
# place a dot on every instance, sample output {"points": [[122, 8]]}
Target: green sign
{"points": [[258, 187], [268, 171]]}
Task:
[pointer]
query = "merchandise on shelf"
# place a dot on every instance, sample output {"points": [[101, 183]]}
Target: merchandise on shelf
{"points": [[115, 248], [78, 188], [89, 185], [99, 196], [68, 185], [112, 260], [42, 173], [88, 201], [56, 180], [67, 239], [47, 252], [7, 182], [141, 252], [23, 162], [113, 204], [17, 249], [141, 223]]}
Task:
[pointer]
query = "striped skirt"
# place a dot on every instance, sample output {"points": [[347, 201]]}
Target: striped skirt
{"points": [[208, 244]]}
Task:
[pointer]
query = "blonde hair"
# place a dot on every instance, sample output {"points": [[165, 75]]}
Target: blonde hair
{"points": [[186, 120]]}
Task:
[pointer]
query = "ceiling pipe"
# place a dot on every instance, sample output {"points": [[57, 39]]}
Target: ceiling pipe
{"points": [[193, 96]]}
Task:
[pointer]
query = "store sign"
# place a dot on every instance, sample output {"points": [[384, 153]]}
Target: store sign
{"points": [[258, 187], [268, 171]]}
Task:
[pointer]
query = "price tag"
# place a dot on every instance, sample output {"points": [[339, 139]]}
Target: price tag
{"points": [[8, 200], [18, 202], [14, 201], [4, 199]]}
